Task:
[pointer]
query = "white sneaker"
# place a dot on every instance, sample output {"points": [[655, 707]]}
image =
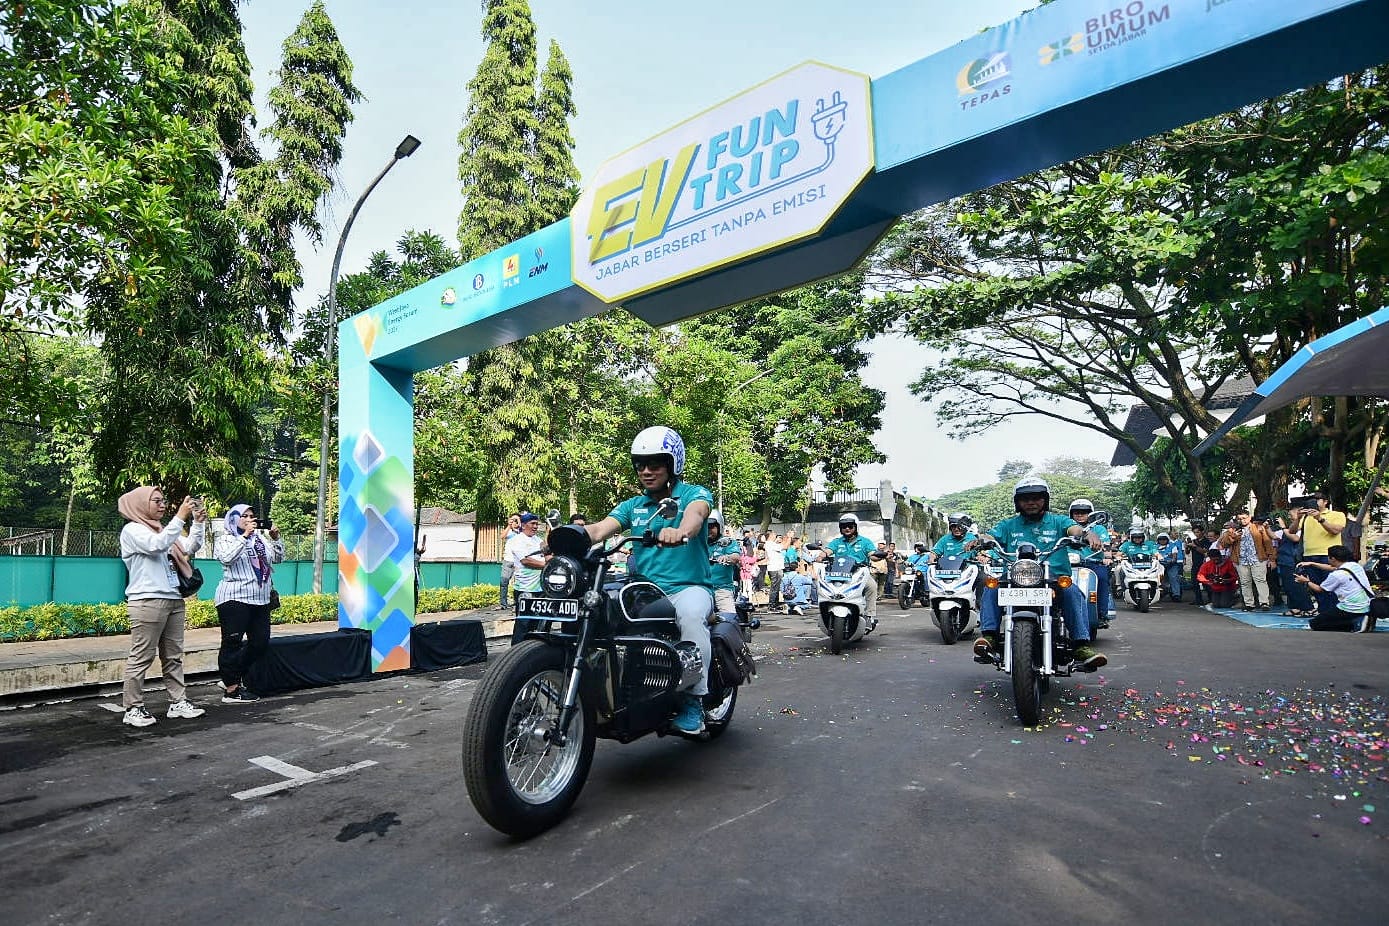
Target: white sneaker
{"points": [[185, 710], [137, 717]]}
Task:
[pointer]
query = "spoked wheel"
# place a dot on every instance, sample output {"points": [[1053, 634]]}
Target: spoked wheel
{"points": [[719, 714], [1027, 676], [837, 634], [950, 626], [520, 779]]}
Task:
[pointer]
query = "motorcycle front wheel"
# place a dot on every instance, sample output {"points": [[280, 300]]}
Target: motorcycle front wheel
{"points": [[1142, 599], [950, 626], [904, 600], [1027, 677], [520, 780], [837, 634]]}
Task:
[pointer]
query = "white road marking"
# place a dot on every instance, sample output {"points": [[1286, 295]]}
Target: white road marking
{"points": [[113, 708], [294, 776]]}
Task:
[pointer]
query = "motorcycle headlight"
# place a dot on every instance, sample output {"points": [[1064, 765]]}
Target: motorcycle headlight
{"points": [[1026, 572], [561, 577]]}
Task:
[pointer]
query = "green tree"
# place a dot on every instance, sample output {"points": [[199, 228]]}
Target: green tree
{"points": [[1156, 274], [92, 155]]}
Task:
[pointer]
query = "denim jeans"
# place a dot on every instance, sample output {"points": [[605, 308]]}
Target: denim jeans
{"points": [[1299, 599], [1173, 573], [1071, 601], [692, 607], [1104, 589], [1326, 601]]}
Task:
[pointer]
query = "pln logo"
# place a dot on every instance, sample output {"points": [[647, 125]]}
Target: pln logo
{"points": [[511, 270], [1071, 45], [984, 80]]}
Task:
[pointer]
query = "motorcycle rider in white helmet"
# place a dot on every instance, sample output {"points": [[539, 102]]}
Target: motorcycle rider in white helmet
{"points": [[679, 565], [1036, 525], [725, 557], [854, 545], [1095, 560]]}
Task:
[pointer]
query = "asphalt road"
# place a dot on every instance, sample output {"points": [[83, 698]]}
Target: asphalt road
{"points": [[1213, 773]]}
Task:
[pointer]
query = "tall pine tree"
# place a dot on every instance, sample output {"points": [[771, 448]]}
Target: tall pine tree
{"points": [[518, 175]]}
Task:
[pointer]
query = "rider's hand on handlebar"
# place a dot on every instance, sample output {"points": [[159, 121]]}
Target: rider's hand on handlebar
{"points": [[671, 537]]}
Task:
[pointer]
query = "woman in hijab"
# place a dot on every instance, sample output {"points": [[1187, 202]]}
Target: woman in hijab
{"points": [[155, 556], [243, 598]]}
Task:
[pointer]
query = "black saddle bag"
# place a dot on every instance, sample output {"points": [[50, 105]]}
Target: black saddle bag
{"points": [[732, 658]]}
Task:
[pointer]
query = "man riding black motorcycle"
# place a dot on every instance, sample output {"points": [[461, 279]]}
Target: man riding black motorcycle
{"points": [[679, 565], [1036, 525]]}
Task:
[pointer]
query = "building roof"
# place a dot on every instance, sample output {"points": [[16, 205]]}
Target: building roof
{"points": [[1143, 424]]}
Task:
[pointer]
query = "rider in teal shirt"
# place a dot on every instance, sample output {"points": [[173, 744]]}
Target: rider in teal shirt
{"points": [[953, 543], [679, 564], [852, 544], [1138, 544]]}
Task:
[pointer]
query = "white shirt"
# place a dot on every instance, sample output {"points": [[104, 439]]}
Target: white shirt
{"points": [[1352, 595], [146, 555], [776, 556], [517, 549], [239, 579]]}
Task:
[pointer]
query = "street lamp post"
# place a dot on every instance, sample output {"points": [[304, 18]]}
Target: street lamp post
{"points": [[407, 147]]}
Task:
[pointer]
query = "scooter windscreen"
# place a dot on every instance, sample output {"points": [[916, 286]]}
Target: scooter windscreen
{"points": [[951, 564], [841, 569]]}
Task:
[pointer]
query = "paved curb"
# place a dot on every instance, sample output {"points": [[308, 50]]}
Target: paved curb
{"points": [[83, 662]]}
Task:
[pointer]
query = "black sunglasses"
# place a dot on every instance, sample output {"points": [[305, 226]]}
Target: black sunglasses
{"points": [[649, 462]]}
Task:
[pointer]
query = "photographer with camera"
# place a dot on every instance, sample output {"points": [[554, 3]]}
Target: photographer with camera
{"points": [[1320, 528], [1345, 581]]}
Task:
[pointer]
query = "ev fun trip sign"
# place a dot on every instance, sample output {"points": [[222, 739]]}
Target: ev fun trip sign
{"points": [[766, 168]]}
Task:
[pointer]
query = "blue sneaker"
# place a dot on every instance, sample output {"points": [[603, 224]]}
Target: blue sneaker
{"points": [[690, 718]]}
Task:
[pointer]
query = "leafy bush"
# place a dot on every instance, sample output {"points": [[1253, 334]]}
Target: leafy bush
{"points": [[58, 621]]}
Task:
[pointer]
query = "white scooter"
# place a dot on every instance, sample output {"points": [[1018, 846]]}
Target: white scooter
{"points": [[952, 583], [1089, 584], [1140, 578], [844, 589]]}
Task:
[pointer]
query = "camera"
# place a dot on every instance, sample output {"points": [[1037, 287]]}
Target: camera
{"points": [[1303, 501]]}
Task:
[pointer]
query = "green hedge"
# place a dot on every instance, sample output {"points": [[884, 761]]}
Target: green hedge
{"points": [[58, 621]]}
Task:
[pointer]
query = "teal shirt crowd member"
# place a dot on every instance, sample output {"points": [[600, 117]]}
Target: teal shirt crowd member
{"points": [[950, 545], [1130, 549], [679, 565], [724, 563]]}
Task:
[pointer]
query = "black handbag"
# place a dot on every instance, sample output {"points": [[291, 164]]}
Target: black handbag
{"points": [[188, 585], [274, 600]]}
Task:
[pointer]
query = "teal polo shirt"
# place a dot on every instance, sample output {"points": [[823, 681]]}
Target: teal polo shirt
{"points": [[1043, 532], [670, 568]]}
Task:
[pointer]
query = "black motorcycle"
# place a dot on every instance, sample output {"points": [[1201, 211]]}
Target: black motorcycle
{"points": [[606, 662]]}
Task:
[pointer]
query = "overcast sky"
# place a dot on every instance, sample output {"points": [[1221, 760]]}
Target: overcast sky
{"points": [[639, 68]]}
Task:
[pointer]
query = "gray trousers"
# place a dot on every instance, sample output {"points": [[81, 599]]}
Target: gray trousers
{"points": [[156, 626]]}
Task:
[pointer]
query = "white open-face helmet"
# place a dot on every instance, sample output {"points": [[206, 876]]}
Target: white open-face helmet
{"points": [[1082, 504], [661, 441], [848, 517], [1031, 485], [716, 516]]}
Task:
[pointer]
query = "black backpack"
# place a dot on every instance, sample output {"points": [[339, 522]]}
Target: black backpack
{"points": [[732, 658]]}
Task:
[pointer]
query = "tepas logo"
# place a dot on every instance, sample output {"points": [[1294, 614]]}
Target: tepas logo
{"points": [[982, 73], [448, 298], [984, 80], [479, 281], [1063, 48]]}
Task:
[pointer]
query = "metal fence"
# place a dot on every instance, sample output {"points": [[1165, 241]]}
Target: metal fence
{"points": [[31, 580], [48, 541]]}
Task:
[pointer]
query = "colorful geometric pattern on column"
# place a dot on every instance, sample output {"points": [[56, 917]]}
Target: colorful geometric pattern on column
{"points": [[376, 589]]}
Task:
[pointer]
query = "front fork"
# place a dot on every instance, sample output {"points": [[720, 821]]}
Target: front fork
{"points": [[573, 679], [1044, 622]]}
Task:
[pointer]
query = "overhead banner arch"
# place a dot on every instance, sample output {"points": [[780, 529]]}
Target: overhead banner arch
{"points": [[790, 181]]}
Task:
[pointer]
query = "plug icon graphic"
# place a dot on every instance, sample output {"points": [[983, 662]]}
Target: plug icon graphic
{"points": [[828, 121]]}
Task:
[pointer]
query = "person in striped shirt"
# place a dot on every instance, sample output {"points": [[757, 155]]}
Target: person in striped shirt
{"points": [[243, 597]]}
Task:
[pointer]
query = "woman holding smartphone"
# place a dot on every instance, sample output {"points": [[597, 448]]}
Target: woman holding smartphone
{"points": [[243, 597]]}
